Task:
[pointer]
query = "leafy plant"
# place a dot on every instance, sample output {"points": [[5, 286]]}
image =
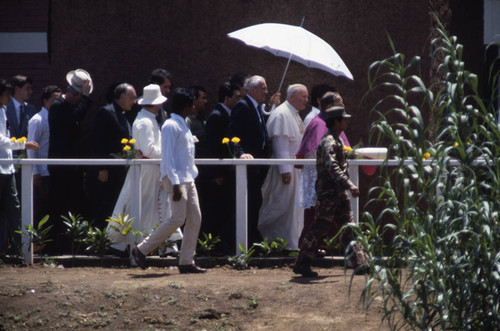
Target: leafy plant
{"points": [[240, 261], [444, 211], [123, 225], [77, 228], [38, 234], [97, 241], [274, 248], [208, 245]]}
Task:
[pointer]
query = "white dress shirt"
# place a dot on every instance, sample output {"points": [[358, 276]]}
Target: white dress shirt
{"points": [[146, 133], [6, 145], [177, 151], [38, 130]]}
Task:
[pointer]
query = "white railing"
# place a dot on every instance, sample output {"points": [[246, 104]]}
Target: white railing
{"points": [[135, 164]]}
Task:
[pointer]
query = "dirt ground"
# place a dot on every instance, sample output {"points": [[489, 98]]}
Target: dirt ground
{"points": [[84, 298]]}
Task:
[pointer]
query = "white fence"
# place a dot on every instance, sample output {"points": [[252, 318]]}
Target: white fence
{"points": [[135, 164]]}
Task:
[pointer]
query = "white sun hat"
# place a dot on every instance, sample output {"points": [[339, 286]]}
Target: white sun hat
{"points": [[76, 77], [152, 95]]}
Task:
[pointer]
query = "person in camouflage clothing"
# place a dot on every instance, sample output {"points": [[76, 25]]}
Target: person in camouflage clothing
{"points": [[333, 204]]}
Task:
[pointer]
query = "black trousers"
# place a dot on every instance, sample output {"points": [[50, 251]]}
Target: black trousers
{"points": [[10, 211]]}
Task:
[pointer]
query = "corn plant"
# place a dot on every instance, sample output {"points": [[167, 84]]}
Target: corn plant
{"points": [[442, 266]]}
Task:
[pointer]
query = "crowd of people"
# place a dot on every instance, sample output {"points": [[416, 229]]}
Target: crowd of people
{"points": [[300, 205]]}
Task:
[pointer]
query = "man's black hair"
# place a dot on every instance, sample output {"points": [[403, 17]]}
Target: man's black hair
{"points": [[48, 91], [181, 99], [5, 85], [318, 91], [226, 90], [20, 81], [196, 90], [158, 76]]}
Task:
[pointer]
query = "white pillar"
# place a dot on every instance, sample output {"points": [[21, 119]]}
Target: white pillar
{"points": [[27, 210], [241, 207], [135, 206]]}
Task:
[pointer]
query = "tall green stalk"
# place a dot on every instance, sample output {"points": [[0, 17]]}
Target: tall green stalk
{"points": [[442, 266]]}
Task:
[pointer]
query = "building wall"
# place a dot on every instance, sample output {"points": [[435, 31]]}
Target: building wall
{"points": [[24, 17], [124, 40]]}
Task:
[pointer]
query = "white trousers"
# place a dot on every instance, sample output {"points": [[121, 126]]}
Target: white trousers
{"points": [[187, 209]]}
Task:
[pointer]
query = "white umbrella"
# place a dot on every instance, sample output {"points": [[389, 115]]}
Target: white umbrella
{"points": [[295, 43]]}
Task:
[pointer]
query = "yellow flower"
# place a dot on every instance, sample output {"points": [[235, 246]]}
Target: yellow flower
{"points": [[21, 140], [126, 148], [13, 139], [455, 145], [426, 156], [131, 141], [124, 141], [225, 140], [347, 148], [468, 143], [235, 140]]}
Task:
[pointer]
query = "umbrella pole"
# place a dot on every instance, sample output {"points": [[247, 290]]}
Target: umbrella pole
{"points": [[289, 59], [283, 77]]}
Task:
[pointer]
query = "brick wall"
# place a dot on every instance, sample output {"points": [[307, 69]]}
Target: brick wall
{"points": [[26, 16]]}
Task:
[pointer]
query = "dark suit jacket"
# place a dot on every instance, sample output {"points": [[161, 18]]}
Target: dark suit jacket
{"points": [[64, 126], [216, 129], [110, 127], [17, 129], [246, 125]]}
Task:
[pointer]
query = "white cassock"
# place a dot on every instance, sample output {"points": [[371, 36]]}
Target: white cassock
{"points": [[154, 202], [279, 216]]}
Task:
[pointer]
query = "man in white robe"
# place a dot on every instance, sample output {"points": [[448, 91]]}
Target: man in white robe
{"points": [[279, 216], [154, 202]]}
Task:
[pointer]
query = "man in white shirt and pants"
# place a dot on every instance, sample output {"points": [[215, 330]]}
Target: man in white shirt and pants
{"points": [[178, 173]]}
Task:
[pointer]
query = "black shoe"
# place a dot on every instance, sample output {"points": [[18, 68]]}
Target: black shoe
{"points": [[140, 259], [191, 269], [117, 252], [305, 272]]}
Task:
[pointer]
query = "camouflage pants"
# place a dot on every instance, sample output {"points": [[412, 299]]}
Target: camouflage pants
{"points": [[332, 210]]}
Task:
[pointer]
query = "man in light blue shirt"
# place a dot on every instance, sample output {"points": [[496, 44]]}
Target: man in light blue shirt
{"points": [[178, 173], [38, 131]]}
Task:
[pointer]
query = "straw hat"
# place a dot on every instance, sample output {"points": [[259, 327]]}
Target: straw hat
{"points": [[152, 96], [76, 77]]}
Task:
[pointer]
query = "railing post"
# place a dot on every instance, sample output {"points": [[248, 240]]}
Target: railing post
{"points": [[27, 210], [135, 206], [354, 176], [241, 207]]}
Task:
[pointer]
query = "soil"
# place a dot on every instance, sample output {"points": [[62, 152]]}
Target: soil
{"points": [[52, 297]]}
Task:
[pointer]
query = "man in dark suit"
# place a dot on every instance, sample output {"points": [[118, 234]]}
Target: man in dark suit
{"points": [[219, 218], [19, 111], [248, 123], [110, 127], [65, 117], [18, 114]]}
